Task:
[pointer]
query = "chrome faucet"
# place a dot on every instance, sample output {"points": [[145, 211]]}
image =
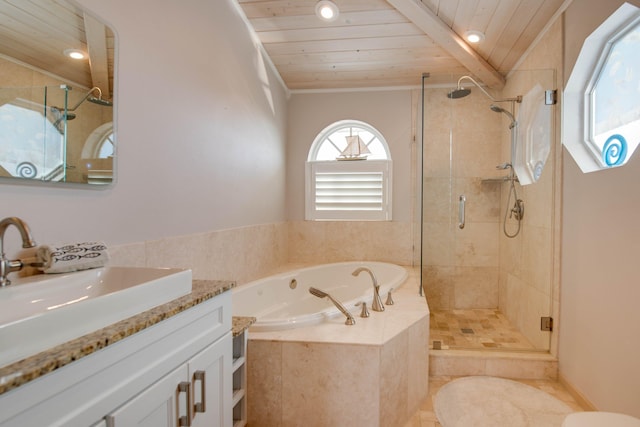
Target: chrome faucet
{"points": [[7, 266], [376, 305]]}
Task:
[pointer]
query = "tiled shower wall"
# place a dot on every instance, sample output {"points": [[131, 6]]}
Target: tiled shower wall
{"points": [[461, 151], [529, 264], [478, 267], [248, 253]]}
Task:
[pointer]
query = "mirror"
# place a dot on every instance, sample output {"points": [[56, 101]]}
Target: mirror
{"points": [[56, 112]]}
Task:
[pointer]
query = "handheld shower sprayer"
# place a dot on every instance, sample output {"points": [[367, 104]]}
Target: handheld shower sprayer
{"points": [[498, 109], [322, 294]]}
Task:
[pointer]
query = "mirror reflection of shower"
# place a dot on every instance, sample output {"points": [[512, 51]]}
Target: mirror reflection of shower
{"points": [[60, 114], [517, 211]]}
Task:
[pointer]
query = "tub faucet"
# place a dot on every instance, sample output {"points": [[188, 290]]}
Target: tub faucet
{"points": [[376, 305], [6, 265]]}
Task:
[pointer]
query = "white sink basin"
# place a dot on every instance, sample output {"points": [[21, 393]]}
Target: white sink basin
{"points": [[39, 312]]}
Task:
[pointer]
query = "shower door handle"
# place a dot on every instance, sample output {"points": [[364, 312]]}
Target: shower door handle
{"points": [[461, 218]]}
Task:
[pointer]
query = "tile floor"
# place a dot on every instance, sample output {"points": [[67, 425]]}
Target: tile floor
{"points": [[477, 329], [474, 329], [426, 416]]}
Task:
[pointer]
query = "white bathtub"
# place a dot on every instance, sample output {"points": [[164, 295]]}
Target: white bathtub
{"points": [[283, 301]]}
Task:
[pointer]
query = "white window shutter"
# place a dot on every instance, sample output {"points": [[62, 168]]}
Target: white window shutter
{"points": [[349, 190]]}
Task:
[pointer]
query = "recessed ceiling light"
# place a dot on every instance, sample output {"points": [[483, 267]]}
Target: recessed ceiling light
{"points": [[473, 36], [75, 53], [327, 10]]}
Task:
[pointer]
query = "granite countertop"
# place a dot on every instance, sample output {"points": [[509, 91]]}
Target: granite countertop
{"points": [[30, 368], [241, 324]]}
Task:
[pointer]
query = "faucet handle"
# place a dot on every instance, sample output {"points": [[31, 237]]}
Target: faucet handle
{"points": [[364, 312], [389, 300]]}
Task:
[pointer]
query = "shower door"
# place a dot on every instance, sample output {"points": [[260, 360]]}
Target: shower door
{"points": [[485, 290]]}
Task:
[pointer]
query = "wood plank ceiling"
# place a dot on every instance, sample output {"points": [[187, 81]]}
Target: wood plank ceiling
{"points": [[385, 43], [36, 32]]}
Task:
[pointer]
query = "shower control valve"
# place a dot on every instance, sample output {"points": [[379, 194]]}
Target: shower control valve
{"points": [[517, 211]]}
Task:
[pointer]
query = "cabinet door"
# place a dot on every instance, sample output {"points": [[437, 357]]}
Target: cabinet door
{"points": [[210, 372], [160, 405]]}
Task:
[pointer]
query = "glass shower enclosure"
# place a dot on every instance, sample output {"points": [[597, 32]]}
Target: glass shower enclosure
{"points": [[488, 240]]}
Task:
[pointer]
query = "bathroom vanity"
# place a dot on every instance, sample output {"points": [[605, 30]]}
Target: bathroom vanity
{"points": [[169, 366]]}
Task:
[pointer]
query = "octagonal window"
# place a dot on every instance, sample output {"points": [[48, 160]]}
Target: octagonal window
{"points": [[615, 120], [602, 114], [31, 146]]}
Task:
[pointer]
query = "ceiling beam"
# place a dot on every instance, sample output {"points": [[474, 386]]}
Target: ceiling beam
{"points": [[97, 48], [418, 13]]}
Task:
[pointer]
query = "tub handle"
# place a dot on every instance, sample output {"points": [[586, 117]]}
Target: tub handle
{"points": [[364, 312], [389, 300], [461, 213]]}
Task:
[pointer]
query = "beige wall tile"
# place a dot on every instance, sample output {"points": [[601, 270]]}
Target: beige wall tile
{"points": [[418, 364], [438, 287], [443, 365], [438, 244], [307, 240], [476, 245], [131, 255], [394, 410], [264, 383], [323, 377], [475, 287], [522, 369]]}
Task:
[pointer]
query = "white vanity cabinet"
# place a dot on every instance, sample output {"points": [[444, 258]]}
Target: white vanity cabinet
{"points": [[175, 370], [191, 395]]}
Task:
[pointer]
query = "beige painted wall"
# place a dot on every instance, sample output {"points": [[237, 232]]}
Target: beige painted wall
{"points": [[201, 124], [391, 113], [599, 318]]}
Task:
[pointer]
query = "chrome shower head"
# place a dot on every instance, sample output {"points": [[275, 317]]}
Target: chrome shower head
{"points": [[60, 115], [458, 93], [100, 101], [91, 98]]}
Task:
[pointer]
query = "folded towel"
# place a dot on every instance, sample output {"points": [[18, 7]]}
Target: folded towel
{"points": [[72, 257]]}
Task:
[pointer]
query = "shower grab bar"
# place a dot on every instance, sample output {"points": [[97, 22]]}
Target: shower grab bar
{"points": [[461, 213]]}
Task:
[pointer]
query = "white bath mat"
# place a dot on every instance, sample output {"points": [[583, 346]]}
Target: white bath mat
{"points": [[497, 402]]}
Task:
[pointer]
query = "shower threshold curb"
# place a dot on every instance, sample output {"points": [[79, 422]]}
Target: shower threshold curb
{"points": [[505, 364]]}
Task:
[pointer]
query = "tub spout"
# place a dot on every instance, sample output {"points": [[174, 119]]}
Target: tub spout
{"points": [[321, 294], [376, 305]]}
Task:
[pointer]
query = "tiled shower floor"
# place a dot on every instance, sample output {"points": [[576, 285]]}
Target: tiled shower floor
{"points": [[474, 329]]}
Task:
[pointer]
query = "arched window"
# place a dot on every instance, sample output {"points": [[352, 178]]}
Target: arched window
{"points": [[348, 174], [100, 143], [602, 114]]}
